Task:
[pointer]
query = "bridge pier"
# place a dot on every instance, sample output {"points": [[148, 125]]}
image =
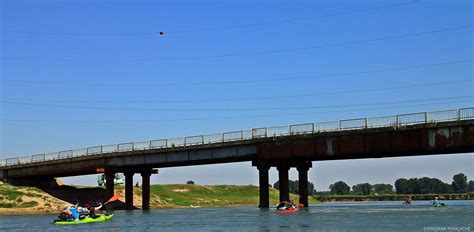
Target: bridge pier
{"points": [[109, 184], [283, 180], [303, 183], [146, 189], [128, 190], [263, 186]]}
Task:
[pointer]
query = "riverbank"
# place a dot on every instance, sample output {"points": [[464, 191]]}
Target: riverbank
{"points": [[32, 200], [393, 197]]}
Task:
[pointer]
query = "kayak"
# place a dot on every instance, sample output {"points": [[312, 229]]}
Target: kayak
{"points": [[100, 218], [287, 210], [439, 205]]}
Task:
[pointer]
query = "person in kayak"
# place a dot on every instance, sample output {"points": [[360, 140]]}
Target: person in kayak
{"points": [[407, 200], [285, 205], [90, 210], [75, 211], [437, 202], [282, 205], [72, 211], [290, 205]]}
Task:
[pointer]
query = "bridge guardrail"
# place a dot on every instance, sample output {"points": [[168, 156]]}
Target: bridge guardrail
{"points": [[264, 132]]}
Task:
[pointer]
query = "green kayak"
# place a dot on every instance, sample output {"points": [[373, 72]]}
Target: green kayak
{"points": [[101, 218]]}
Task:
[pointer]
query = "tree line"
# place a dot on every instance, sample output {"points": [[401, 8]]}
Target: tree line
{"points": [[407, 186]]}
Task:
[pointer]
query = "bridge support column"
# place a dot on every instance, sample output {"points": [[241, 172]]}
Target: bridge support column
{"points": [[303, 183], [283, 181], [264, 201], [128, 190], [146, 190], [109, 184]]}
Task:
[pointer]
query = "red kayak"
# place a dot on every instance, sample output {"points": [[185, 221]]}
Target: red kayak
{"points": [[287, 210]]}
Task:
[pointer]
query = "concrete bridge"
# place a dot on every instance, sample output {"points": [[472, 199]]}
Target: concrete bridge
{"points": [[284, 147]]}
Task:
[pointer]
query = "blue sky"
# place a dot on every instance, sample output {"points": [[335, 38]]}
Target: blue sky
{"points": [[85, 53]]}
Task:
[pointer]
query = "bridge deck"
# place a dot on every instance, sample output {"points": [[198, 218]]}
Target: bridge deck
{"points": [[439, 132]]}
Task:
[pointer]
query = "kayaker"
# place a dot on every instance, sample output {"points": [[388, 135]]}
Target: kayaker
{"points": [[407, 200], [73, 210], [90, 210], [290, 205], [282, 204], [435, 201]]}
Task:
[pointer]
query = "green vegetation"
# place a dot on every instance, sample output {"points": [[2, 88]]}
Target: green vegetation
{"points": [[433, 185], [28, 204], [470, 186], [362, 189], [21, 197], [392, 197], [6, 205], [9, 193], [340, 188], [459, 183], [424, 186], [206, 196]]}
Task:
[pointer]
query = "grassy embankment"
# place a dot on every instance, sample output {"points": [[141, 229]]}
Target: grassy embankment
{"points": [[394, 197], [27, 200], [218, 195]]}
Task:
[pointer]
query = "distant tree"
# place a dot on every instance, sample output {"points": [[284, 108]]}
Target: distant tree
{"points": [[401, 186], [339, 188], [382, 188], [470, 186], [459, 183], [362, 189], [421, 186], [293, 186], [190, 182]]}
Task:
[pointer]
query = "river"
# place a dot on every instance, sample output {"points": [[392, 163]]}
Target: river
{"points": [[359, 216]]}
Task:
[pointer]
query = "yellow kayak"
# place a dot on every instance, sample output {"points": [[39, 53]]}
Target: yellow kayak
{"points": [[100, 218]]}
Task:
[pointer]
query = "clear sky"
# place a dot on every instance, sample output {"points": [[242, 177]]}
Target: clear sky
{"points": [[83, 73]]}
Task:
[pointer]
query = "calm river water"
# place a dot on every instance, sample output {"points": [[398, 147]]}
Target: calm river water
{"points": [[373, 216]]}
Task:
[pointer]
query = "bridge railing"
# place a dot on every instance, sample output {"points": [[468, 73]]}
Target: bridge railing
{"points": [[264, 132]]}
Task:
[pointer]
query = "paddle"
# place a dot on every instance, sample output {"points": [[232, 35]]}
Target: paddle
{"points": [[113, 198]]}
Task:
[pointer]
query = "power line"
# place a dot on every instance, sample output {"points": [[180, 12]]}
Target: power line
{"points": [[224, 118], [247, 53], [251, 98], [239, 81], [217, 27], [231, 109]]}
